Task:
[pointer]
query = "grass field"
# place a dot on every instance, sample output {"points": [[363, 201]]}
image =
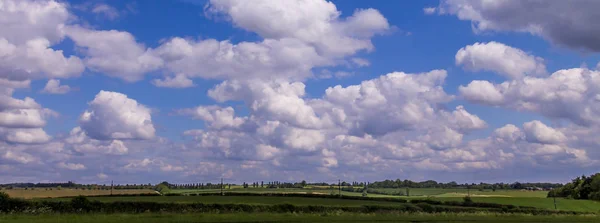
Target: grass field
{"points": [[244, 200], [545, 203], [514, 197], [241, 217], [43, 193], [414, 192]]}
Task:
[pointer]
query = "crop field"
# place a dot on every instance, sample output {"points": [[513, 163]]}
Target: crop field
{"points": [[55, 192], [262, 217]]}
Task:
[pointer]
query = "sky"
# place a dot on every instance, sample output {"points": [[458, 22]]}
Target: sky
{"points": [[193, 91]]}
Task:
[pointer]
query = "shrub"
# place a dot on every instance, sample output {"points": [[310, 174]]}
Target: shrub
{"points": [[81, 204], [467, 200]]}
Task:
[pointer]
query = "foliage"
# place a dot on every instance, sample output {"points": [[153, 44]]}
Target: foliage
{"points": [[467, 199], [481, 186], [82, 204], [580, 188]]}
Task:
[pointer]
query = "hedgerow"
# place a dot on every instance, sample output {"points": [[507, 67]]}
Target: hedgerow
{"points": [[84, 205]]}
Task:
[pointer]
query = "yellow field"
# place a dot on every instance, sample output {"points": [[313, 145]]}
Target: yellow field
{"points": [[43, 193]]}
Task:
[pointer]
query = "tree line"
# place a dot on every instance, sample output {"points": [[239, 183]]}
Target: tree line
{"points": [[434, 184], [280, 184], [585, 188]]}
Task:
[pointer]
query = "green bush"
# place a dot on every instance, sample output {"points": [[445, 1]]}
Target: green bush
{"points": [[467, 199]]}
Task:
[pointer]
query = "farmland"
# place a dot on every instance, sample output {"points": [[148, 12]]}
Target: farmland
{"points": [[507, 197], [262, 217], [309, 204]]}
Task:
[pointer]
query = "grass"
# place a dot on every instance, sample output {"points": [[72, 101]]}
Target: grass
{"points": [[514, 197], [545, 203], [461, 192], [43, 193], [244, 200], [266, 217]]}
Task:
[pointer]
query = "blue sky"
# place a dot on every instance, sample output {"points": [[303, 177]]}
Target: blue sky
{"points": [[203, 89]]}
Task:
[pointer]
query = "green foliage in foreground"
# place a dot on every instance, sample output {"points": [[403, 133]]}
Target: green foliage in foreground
{"points": [[83, 205], [268, 217]]}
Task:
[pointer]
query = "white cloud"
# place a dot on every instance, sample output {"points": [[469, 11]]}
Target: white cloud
{"points": [[507, 61], [106, 10], [25, 20], [481, 92], [361, 62], [429, 10], [114, 53], [30, 29], [35, 59], [24, 135], [509, 133], [53, 87], [24, 118], [20, 157], [102, 176], [538, 132], [575, 26], [71, 166], [571, 94], [212, 59], [215, 117], [314, 22], [179, 81], [113, 115]]}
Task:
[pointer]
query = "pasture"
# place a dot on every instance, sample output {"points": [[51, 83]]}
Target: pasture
{"points": [[270, 217]]}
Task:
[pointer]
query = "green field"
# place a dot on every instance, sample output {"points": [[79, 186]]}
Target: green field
{"points": [[260, 217], [243, 200], [545, 203], [418, 192]]}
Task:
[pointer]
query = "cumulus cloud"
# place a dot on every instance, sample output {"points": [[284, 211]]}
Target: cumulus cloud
{"points": [[53, 87], [26, 20], [536, 131], [29, 31], [24, 135], [570, 94], [114, 53], [507, 61], [113, 115], [324, 28], [377, 128], [215, 117], [395, 116], [574, 27]]}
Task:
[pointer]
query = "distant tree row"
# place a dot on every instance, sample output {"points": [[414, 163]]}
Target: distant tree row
{"points": [[587, 188], [279, 184], [433, 184]]}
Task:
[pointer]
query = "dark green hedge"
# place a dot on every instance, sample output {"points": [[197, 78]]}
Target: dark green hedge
{"points": [[83, 205]]}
